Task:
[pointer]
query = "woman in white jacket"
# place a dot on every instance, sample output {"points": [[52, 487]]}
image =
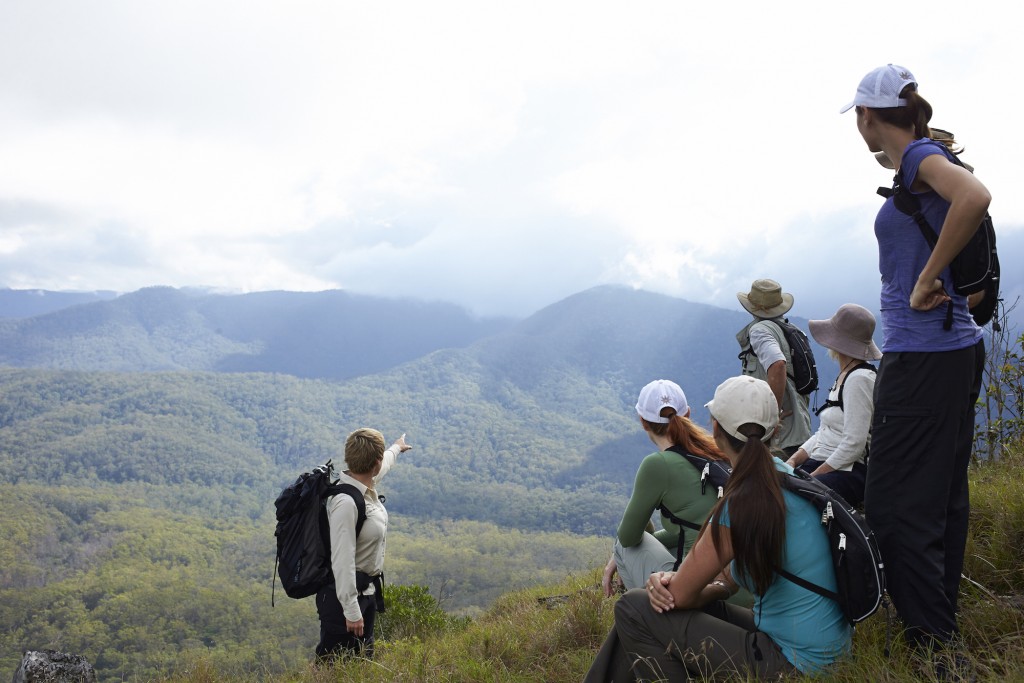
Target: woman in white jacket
{"points": [[348, 607], [836, 453]]}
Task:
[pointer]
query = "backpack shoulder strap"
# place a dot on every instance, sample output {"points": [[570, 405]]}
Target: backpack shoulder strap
{"points": [[774, 329], [780, 336], [703, 468], [908, 203], [863, 365], [698, 462], [357, 498], [804, 583], [790, 482], [785, 346]]}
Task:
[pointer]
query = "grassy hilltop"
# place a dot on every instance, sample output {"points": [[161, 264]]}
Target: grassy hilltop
{"points": [[551, 633]]}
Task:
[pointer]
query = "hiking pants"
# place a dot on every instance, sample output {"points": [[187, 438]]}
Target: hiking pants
{"points": [[719, 641], [916, 498], [335, 639], [849, 484], [636, 563]]}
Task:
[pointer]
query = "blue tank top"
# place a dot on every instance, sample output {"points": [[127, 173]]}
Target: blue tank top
{"points": [[902, 254], [810, 629]]}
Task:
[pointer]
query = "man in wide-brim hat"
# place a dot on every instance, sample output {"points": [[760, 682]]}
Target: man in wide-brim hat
{"points": [[766, 355]]}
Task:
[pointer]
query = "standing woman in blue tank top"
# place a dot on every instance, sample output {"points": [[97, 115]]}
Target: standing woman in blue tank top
{"points": [[929, 378]]}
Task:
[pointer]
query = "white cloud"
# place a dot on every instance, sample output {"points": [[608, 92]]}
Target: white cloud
{"points": [[501, 155]]}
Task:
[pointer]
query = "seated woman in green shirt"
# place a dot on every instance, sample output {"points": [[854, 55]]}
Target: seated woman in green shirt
{"points": [[664, 478]]}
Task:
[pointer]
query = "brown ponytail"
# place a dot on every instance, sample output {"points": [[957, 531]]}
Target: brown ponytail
{"points": [[916, 114], [757, 511], [682, 432]]}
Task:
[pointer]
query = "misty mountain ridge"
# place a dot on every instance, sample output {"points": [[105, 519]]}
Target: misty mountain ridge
{"points": [[329, 335], [27, 303], [498, 421], [609, 333]]}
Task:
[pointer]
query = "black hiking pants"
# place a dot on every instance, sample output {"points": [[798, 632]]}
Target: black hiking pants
{"points": [[335, 639], [916, 497]]}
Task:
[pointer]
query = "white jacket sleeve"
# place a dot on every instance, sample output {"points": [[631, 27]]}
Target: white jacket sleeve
{"points": [[858, 409], [809, 445], [341, 517]]}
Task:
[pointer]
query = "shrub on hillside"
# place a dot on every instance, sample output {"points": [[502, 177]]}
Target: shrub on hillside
{"points": [[412, 612]]}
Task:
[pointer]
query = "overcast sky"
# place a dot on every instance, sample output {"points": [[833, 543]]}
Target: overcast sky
{"points": [[500, 155]]}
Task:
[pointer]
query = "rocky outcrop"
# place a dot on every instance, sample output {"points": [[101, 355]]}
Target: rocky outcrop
{"points": [[49, 666]]}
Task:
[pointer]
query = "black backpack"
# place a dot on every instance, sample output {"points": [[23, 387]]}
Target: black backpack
{"points": [[803, 369], [303, 534], [975, 269], [715, 471], [860, 577]]}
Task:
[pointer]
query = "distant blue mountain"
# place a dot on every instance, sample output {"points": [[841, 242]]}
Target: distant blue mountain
{"points": [[26, 303], [326, 335]]}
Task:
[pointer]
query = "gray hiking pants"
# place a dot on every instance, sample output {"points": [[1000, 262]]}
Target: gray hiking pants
{"points": [[717, 642], [636, 563]]}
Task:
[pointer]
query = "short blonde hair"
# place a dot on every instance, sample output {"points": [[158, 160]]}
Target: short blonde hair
{"points": [[363, 448]]}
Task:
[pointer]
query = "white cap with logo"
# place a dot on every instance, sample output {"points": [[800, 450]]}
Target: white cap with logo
{"points": [[881, 88], [658, 394]]}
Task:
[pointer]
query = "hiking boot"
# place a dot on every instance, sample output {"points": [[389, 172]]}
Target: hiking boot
{"points": [[953, 667]]}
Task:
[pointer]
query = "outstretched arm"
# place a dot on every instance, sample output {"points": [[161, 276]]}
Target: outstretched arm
{"points": [[400, 446], [391, 455]]}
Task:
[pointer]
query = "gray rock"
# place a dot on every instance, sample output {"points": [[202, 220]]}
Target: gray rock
{"points": [[49, 666]]}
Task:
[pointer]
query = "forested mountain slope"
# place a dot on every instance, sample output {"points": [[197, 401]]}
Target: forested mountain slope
{"points": [[331, 334], [546, 403]]}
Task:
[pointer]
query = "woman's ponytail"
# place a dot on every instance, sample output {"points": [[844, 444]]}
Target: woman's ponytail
{"points": [[757, 510], [916, 114], [920, 112], [684, 433], [692, 439]]}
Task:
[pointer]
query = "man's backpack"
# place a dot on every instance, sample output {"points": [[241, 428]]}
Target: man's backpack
{"points": [[715, 472], [860, 576], [803, 369], [303, 533], [975, 269]]}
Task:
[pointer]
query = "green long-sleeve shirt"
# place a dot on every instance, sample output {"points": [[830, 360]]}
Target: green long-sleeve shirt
{"points": [[668, 478]]}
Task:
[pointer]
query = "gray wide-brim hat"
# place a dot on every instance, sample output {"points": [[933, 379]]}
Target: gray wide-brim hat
{"points": [[848, 332], [766, 299]]}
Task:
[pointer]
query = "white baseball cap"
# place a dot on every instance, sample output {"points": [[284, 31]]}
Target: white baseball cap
{"points": [[658, 394], [881, 88], [744, 400]]}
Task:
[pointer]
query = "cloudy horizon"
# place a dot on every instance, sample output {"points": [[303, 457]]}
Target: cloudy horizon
{"points": [[497, 156]]}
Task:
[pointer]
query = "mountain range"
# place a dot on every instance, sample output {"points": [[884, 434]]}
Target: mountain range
{"points": [[510, 407], [609, 333]]}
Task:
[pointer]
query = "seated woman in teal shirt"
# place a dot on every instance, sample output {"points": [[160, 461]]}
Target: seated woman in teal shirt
{"points": [[664, 478], [680, 626]]}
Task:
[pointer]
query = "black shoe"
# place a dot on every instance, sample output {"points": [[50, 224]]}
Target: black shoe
{"points": [[954, 667]]}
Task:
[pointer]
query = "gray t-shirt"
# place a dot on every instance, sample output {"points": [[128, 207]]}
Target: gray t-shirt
{"points": [[768, 346]]}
